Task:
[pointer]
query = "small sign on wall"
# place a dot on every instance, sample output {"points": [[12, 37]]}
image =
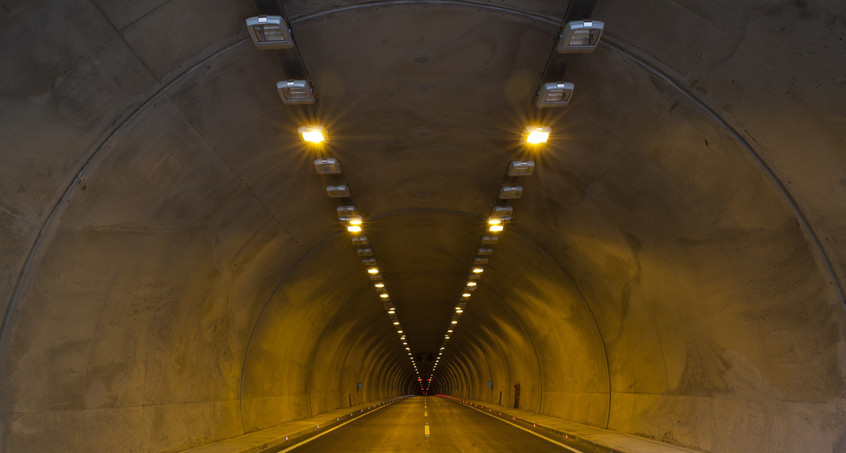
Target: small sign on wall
{"points": [[490, 384], [359, 385]]}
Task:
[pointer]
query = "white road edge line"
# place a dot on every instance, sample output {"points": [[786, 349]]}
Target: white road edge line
{"points": [[527, 430], [334, 428]]}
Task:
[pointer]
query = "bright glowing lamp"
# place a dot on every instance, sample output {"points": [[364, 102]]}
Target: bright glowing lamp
{"points": [[537, 135], [312, 134]]}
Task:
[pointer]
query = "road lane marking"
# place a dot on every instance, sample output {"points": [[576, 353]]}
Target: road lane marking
{"points": [[530, 431], [335, 427], [426, 429]]}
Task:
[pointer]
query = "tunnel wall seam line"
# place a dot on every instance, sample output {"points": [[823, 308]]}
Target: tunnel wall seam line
{"points": [[543, 250], [87, 163], [791, 201], [531, 340], [273, 293]]}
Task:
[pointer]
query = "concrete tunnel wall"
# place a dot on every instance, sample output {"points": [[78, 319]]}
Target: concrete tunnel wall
{"points": [[172, 272]]}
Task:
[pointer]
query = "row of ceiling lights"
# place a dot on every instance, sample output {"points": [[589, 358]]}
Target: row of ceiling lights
{"points": [[500, 215], [273, 32], [582, 36], [349, 216]]}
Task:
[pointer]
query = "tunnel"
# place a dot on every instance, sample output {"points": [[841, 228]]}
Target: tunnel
{"points": [[175, 272]]}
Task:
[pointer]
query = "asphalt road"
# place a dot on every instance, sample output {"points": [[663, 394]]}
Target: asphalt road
{"points": [[401, 427]]}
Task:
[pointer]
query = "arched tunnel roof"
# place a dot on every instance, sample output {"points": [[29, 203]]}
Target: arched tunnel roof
{"points": [[174, 272]]}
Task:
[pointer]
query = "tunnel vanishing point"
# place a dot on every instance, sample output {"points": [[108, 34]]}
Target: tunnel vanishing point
{"points": [[174, 271]]}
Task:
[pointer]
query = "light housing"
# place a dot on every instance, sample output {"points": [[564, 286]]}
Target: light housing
{"points": [[338, 190], [580, 36], [368, 261], [270, 32], [478, 260], [489, 239], [373, 271], [521, 167], [327, 166], [348, 213], [379, 285], [484, 251], [501, 213], [555, 94], [364, 251], [478, 270], [360, 240], [510, 191], [312, 134], [295, 92], [354, 228], [537, 135]]}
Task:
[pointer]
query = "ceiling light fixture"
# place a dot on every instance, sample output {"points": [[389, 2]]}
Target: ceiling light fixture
{"points": [[295, 92], [379, 285], [354, 229], [580, 36], [478, 270], [312, 134], [501, 213], [555, 94], [348, 213], [270, 32], [510, 191], [373, 270], [338, 191], [521, 168], [471, 284], [327, 166], [384, 295], [536, 135]]}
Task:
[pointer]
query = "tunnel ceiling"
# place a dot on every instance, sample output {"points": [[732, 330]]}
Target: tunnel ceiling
{"points": [[165, 232]]}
